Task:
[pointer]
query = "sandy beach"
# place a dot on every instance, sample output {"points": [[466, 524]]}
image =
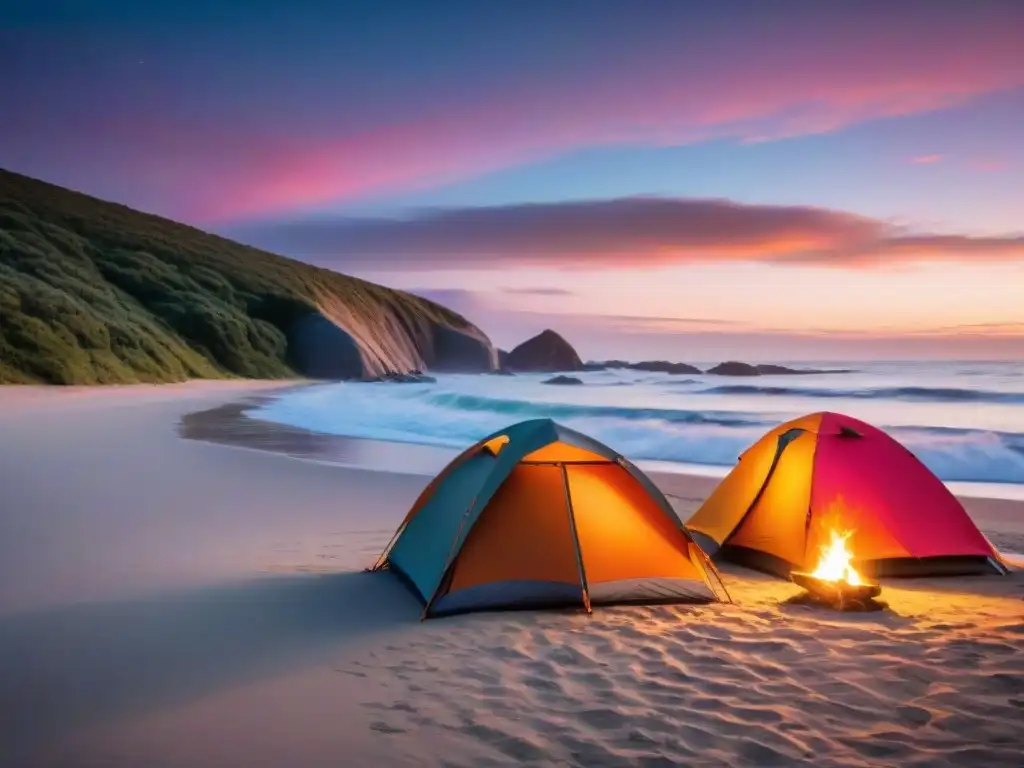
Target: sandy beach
{"points": [[182, 601]]}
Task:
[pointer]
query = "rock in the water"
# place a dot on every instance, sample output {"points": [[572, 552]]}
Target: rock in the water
{"points": [[734, 368], [650, 366], [781, 370], [545, 352], [415, 377], [563, 380], [663, 366]]}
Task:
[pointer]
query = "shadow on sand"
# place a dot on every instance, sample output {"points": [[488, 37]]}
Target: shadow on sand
{"points": [[74, 665]]}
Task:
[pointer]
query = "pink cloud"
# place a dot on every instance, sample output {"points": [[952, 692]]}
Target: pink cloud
{"points": [[989, 166], [621, 233], [927, 159]]}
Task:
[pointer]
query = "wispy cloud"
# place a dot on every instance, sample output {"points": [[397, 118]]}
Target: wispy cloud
{"points": [[643, 323], [538, 291], [622, 233], [977, 329], [927, 159], [989, 165]]}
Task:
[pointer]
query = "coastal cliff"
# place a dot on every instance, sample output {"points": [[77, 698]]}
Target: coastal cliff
{"points": [[95, 292]]}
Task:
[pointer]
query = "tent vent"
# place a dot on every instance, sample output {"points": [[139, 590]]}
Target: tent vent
{"points": [[849, 432], [495, 444]]}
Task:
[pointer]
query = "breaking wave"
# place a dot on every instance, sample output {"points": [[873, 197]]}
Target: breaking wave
{"points": [[919, 394], [459, 410]]}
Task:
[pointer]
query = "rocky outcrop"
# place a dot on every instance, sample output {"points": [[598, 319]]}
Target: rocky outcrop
{"points": [[663, 366], [563, 381], [781, 370], [735, 368], [651, 366], [547, 352]]}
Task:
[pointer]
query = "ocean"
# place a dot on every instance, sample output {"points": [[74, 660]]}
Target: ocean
{"points": [[965, 421]]}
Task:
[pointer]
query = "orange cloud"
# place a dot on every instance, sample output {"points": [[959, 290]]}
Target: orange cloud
{"points": [[621, 233]]}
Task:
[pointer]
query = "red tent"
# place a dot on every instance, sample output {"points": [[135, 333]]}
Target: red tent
{"points": [[826, 472]]}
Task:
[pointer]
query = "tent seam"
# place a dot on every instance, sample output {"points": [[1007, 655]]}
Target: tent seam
{"points": [[576, 539]]}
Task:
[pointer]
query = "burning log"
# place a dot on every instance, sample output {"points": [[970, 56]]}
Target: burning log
{"points": [[837, 594], [835, 582]]}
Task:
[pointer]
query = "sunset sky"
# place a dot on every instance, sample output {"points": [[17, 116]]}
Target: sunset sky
{"points": [[682, 180]]}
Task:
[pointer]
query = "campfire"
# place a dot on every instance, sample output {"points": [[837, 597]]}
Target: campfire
{"points": [[835, 582]]}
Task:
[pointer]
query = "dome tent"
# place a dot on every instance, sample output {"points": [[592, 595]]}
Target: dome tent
{"points": [[539, 515], [826, 472]]}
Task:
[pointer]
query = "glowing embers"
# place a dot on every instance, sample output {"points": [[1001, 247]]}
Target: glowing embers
{"points": [[834, 581]]}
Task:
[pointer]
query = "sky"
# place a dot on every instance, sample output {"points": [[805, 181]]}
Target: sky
{"points": [[653, 179]]}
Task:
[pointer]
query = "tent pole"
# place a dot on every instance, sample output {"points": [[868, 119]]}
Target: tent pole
{"points": [[387, 550], [576, 540], [718, 576]]}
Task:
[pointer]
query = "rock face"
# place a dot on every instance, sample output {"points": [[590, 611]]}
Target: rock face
{"points": [[387, 339], [341, 343], [546, 352], [322, 350], [563, 380]]}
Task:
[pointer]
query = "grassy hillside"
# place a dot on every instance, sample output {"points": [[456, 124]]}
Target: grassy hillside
{"points": [[94, 292]]}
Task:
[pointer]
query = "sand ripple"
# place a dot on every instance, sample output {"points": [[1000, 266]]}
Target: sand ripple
{"points": [[938, 680]]}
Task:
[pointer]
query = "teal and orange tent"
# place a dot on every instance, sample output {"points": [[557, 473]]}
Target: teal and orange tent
{"points": [[827, 473], [539, 515]]}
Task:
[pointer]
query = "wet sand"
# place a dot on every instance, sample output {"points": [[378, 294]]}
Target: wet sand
{"points": [[181, 602]]}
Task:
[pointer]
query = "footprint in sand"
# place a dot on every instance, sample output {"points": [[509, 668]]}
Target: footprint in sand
{"points": [[382, 727]]}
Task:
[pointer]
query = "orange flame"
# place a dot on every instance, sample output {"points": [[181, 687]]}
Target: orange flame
{"points": [[834, 564]]}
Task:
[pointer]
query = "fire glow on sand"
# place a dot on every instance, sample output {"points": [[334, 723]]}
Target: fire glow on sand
{"points": [[835, 581]]}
